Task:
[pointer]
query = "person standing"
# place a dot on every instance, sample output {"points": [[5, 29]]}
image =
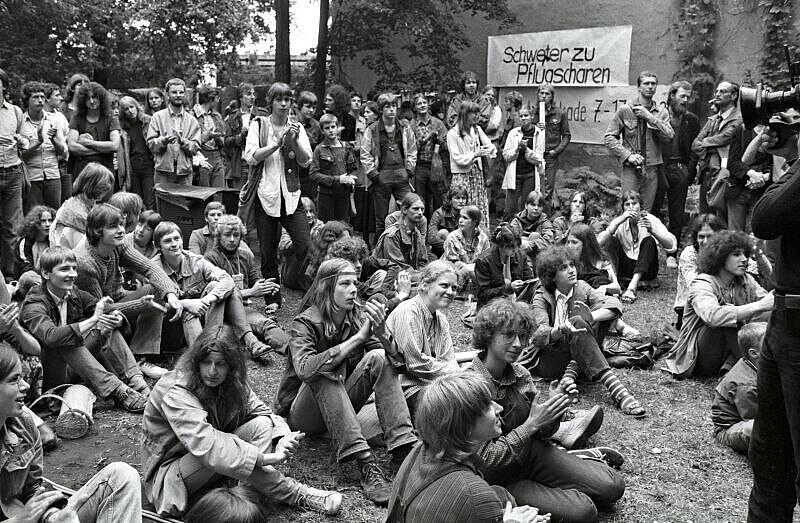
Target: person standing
{"points": [[46, 142], [523, 153], [680, 163], [237, 122], [556, 135], [389, 158], [469, 93], [93, 130], [212, 131], [53, 102], [712, 144], [135, 164], [11, 175], [634, 136], [174, 138], [430, 132]]}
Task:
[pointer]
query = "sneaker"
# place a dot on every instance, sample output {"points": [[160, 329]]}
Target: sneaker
{"points": [[575, 432], [151, 370], [138, 384], [326, 501], [612, 458], [129, 399], [260, 352], [374, 483], [672, 262]]}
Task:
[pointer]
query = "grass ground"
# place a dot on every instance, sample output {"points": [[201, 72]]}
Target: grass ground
{"points": [[675, 471]]}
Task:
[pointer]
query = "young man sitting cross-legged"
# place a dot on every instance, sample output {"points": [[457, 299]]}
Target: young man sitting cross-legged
{"points": [[79, 335]]}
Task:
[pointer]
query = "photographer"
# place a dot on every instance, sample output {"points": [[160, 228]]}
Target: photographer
{"points": [[775, 445]]}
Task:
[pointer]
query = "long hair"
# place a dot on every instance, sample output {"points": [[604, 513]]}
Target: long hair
{"points": [[130, 100], [712, 256], [463, 115], [8, 360], [83, 96], [341, 99], [712, 220], [548, 263], [92, 180], [589, 207], [591, 253], [229, 505], [226, 404], [328, 233], [147, 108], [320, 293], [278, 90], [447, 412], [30, 223]]}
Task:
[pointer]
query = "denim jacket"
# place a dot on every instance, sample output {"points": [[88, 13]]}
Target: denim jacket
{"points": [[20, 463]]}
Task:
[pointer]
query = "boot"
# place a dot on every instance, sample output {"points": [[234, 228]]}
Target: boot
{"points": [[575, 432]]}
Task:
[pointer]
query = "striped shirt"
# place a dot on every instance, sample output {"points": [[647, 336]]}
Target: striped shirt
{"points": [[424, 340]]}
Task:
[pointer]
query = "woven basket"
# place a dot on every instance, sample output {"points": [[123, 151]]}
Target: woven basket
{"points": [[75, 418]]}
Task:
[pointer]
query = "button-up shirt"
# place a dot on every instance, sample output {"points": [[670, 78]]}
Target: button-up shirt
{"points": [[562, 308], [626, 132], [458, 249], [20, 463], [421, 129], [61, 303], [194, 275], [42, 162], [10, 124]]}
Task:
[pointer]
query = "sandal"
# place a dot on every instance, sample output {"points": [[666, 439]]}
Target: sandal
{"points": [[629, 296], [630, 406]]}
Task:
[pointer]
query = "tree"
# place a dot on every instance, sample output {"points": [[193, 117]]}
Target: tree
{"points": [[321, 66], [283, 64], [428, 32]]}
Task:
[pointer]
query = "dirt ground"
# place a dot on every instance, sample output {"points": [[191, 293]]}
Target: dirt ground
{"points": [[674, 470]]}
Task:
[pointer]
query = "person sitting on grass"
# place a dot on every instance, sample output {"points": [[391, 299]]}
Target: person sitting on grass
{"points": [[466, 243], [721, 298], [113, 494], [579, 209], [246, 274], [207, 294], [93, 185], [402, 245], [229, 504], [204, 424], [440, 480], [568, 485], [338, 358], [32, 240], [79, 335], [701, 229], [320, 243], [571, 319], [131, 206], [632, 240], [444, 220], [141, 238], [536, 231], [286, 253], [502, 270], [736, 397], [596, 270], [201, 240]]}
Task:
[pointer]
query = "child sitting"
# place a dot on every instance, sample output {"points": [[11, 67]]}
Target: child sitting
{"points": [[735, 398], [333, 169]]}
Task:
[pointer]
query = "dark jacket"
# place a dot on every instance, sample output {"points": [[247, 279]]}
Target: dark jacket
{"points": [[39, 314], [738, 169], [557, 134], [489, 274], [687, 131]]}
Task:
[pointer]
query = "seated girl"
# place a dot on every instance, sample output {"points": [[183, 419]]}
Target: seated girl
{"points": [[523, 459], [131, 206], [440, 479], [571, 318], [632, 240], [444, 220], [204, 424], [141, 238], [595, 269], [32, 239], [113, 494], [578, 210], [722, 298], [502, 270], [464, 244], [93, 185], [536, 231], [320, 242], [701, 229]]}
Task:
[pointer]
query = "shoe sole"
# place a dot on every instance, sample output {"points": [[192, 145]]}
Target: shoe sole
{"points": [[590, 430]]}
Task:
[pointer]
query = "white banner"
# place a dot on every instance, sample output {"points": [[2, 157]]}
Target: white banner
{"points": [[590, 57], [589, 111]]}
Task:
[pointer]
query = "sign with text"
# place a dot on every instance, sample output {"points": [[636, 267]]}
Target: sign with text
{"points": [[592, 57], [589, 111]]}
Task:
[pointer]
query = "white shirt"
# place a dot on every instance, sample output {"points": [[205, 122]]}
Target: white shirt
{"points": [[273, 179], [562, 308]]}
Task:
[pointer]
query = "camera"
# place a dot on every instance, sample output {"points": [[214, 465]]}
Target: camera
{"points": [[758, 104]]}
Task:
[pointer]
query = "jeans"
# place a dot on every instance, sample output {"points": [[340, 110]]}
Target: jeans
{"points": [[549, 181], [230, 311], [775, 444], [10, 213], [515, 198], [646, 263], [214, 177], [44, 192], [557, 482], [737, 209], [432, 193], [268, 229], [714, 346], [737, 436], [260, 431], [332, 206], [389, 183], [583, 348], [165, 177], [66, 181], [101, 368], [645, 182], [326, 403], [142, 181], [113, 495], [673, 182]]}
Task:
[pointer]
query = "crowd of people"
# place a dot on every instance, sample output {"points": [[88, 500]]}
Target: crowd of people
{"points": [[378, 210]]}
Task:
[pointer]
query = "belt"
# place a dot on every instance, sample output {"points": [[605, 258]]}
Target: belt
{"points": [[9, 169], [787, 301], [674, 162]]}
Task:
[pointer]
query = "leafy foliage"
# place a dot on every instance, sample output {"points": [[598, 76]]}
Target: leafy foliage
{"points": [[777, 18], [603, 189], [428, 34]]}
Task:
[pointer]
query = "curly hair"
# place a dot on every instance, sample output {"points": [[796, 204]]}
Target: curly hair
{"points": [[712, 256], [327, 234], [225, 404], [83, 95], [72, 85], [341, 99], [31, 88], [468, 75], [506, 235], [549, 262], [352, 249], [30, 223], [501, 315], [712, 220]]}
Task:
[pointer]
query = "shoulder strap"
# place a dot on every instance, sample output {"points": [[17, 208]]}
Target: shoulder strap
{"points": [[398, 514]]}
